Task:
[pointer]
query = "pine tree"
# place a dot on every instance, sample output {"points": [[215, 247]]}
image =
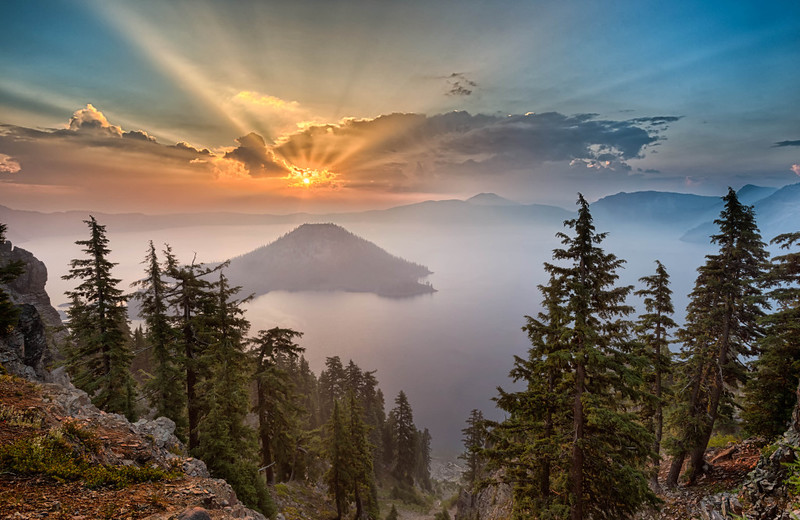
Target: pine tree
{"points": [[193, 298], [653, 329], [9, 313], [721, 329], [332, 385], [422, 469], [770, 394], [275, 401], [393, 514], [99, 355], [226, 444], [164, 389], [404, 436], [339, 475], [474, 440], [361, 461], [527, 444], [594, 450]]}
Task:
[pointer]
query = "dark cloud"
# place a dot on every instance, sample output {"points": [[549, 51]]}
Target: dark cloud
{"points": [[139, 135], [781, 144], [254, 154], [186, 147], [407, 151], [460, 85]]}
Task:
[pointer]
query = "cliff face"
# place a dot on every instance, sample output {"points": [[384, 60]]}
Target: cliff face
{"points": [[32, 347]]}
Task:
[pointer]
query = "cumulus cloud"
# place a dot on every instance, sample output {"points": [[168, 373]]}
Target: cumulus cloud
{"points": [[254, 154], [8, 164], [781, 144], [91, 120], [404, 151]]}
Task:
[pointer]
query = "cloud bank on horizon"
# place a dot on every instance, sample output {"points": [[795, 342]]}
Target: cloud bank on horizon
{"points": [[355, 104], [394, 153]]}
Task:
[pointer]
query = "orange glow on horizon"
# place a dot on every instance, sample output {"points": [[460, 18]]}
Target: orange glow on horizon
{"points": [[300, 177]]}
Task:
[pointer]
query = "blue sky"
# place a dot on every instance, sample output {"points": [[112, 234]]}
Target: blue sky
{"points": [[342, 104]]}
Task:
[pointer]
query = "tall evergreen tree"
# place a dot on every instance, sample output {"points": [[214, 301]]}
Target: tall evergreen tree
{"points": [[9, 313], [225, 442], [99, 356], [474, 440], [364, 491], [194, 300], [582, 345], [404, 437], [528, 443], [164, 389], [275, 402], [422, 469], [653, 329], [721, 329], [339, 475], [332, 385], [770, 394]]}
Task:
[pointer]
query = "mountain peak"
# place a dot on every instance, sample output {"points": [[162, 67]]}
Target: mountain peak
{"points": [[490, 199], [327, 257]]}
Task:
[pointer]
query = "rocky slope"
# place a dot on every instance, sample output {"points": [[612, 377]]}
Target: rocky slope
{"points": [[32, 346]]}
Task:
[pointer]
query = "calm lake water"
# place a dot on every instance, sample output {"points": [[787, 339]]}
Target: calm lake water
{"points": [[449, 350]]}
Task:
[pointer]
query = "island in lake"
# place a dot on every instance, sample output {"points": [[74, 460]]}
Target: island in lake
{"points": [[327, 257]]}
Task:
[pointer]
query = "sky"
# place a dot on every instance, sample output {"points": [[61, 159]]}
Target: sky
{"points": [[338, 105]]}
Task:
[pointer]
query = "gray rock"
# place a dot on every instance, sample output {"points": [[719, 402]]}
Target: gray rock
{"points": [[195, 468], [194, 513]]}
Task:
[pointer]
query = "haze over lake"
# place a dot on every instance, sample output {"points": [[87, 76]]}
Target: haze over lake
{"points": [[449, 350]]}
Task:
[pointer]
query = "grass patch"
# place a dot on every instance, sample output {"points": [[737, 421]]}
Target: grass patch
{"points": [[719, 440], [63, 454]]}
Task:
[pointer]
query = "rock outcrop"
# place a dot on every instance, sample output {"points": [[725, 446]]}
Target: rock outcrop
{"points": [[492, 502], [33, 345]]}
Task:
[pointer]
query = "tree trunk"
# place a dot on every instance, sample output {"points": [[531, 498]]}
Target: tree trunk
{"points": [[659, 415], [675, 470], [576, 471], [191, 380], [263, 430]]}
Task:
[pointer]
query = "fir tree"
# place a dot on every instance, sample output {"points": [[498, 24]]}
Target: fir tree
{"points": [[721, 329], [99, 356], [595, 450], [332, 385], [404, 439], [193, 298], [474, 439], [275, 401], [653, 329], [339, 475], [770, 394], [9, 313], [362, 473], [164, 389], [225, 442], [422, 470]]}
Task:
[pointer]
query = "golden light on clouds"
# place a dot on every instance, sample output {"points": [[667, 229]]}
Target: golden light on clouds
{"points": [[313, 178]]}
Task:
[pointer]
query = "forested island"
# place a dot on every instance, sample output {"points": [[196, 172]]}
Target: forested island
{"points": [[327, 257]]}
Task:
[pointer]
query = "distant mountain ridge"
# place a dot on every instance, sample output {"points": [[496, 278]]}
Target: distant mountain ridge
{"points": [[326, 257]]}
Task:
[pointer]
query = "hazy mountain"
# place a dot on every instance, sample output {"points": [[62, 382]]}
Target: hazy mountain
{"points": [[750, 193], [326, 257], [490, 199], [483, 209], [778, 212], [649, 208]]}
